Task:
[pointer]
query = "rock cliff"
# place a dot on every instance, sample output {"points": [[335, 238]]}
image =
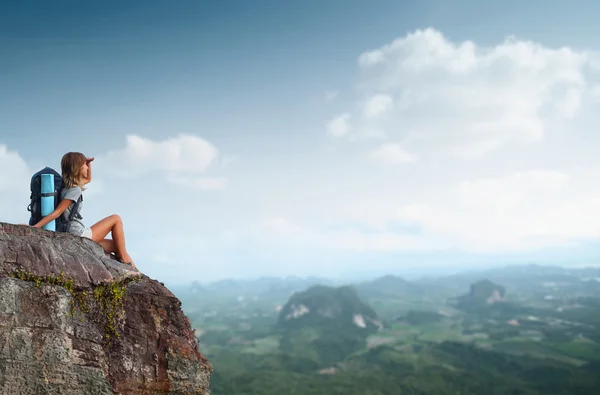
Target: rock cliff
{"points": [[75, 321]]}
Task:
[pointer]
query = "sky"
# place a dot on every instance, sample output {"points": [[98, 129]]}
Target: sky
{"points": [[271, 138]]}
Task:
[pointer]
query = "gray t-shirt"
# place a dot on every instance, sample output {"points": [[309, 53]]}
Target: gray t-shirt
{"points": [[77, 227]]}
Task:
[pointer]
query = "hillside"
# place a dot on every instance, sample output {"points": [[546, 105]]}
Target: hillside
{"points": [[323, 324], [482, 294], [330, 306], [485, 291]]}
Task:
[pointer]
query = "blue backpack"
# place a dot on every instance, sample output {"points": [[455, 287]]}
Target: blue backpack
{"points": [[35, 206]]}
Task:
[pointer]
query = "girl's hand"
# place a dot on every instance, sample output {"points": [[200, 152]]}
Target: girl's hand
{"points": [[88, 160]]}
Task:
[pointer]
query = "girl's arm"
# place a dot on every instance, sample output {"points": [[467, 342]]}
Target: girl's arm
{"points": [[86, 180], [62, 206]]}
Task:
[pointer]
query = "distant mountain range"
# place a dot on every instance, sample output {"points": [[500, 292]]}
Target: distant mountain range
{"points": [[527, 278]]}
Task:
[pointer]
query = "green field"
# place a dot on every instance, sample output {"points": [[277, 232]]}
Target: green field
{"points": [[448, 343]]}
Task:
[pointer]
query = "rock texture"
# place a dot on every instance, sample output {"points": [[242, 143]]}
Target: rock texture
{"points": [[75, 321]]}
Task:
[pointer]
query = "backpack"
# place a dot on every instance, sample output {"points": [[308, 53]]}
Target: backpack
{"points": [[35, 206]]}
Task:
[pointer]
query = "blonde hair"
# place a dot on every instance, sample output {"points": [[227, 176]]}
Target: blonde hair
{"points": [[71, 169]]}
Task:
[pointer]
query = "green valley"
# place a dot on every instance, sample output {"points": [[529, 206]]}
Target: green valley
{"points": [[517, 330]]}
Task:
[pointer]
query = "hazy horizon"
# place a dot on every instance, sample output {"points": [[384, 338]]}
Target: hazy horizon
{"points": [[409, 275], [314, 138]]}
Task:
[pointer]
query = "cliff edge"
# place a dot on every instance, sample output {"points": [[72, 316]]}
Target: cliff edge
{"points": [[75, 321]]}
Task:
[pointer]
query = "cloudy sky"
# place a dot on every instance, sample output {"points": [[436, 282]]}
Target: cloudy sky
{"points": [[241, 139]]}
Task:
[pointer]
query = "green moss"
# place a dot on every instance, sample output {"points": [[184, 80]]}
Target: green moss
{"points": [[61, 280], [110, 300], [103, 303]]}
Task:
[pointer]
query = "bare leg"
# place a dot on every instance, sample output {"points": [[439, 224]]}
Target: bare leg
{"points": [[114, 225], [109, 245]]}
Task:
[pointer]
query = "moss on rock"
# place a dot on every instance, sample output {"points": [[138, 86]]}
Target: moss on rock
{"points": [[104, 303]]}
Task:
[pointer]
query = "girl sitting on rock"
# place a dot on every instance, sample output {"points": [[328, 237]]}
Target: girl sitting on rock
{"points": [[77, 172]]}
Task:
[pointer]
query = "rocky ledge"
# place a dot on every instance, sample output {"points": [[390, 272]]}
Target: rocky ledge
{"points": [[75, 321]]}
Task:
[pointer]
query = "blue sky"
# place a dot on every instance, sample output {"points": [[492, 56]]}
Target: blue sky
{"points": [[257, 138]]}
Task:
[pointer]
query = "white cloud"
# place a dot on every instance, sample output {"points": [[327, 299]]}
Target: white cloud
{"points": [[520, 211], [15, 177], [181, 154], [293, 232], [340, 125], [517, 212], [468, 100], [282, 226], [496, 129], [392, 153], [181, 160], [210, 183], [378, 105], [13, 169], [570, 104]]}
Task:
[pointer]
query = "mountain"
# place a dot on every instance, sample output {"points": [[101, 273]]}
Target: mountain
{"points": [[488, 300], [322, 325], [485, 292], [330, 306], [75, 321]]}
